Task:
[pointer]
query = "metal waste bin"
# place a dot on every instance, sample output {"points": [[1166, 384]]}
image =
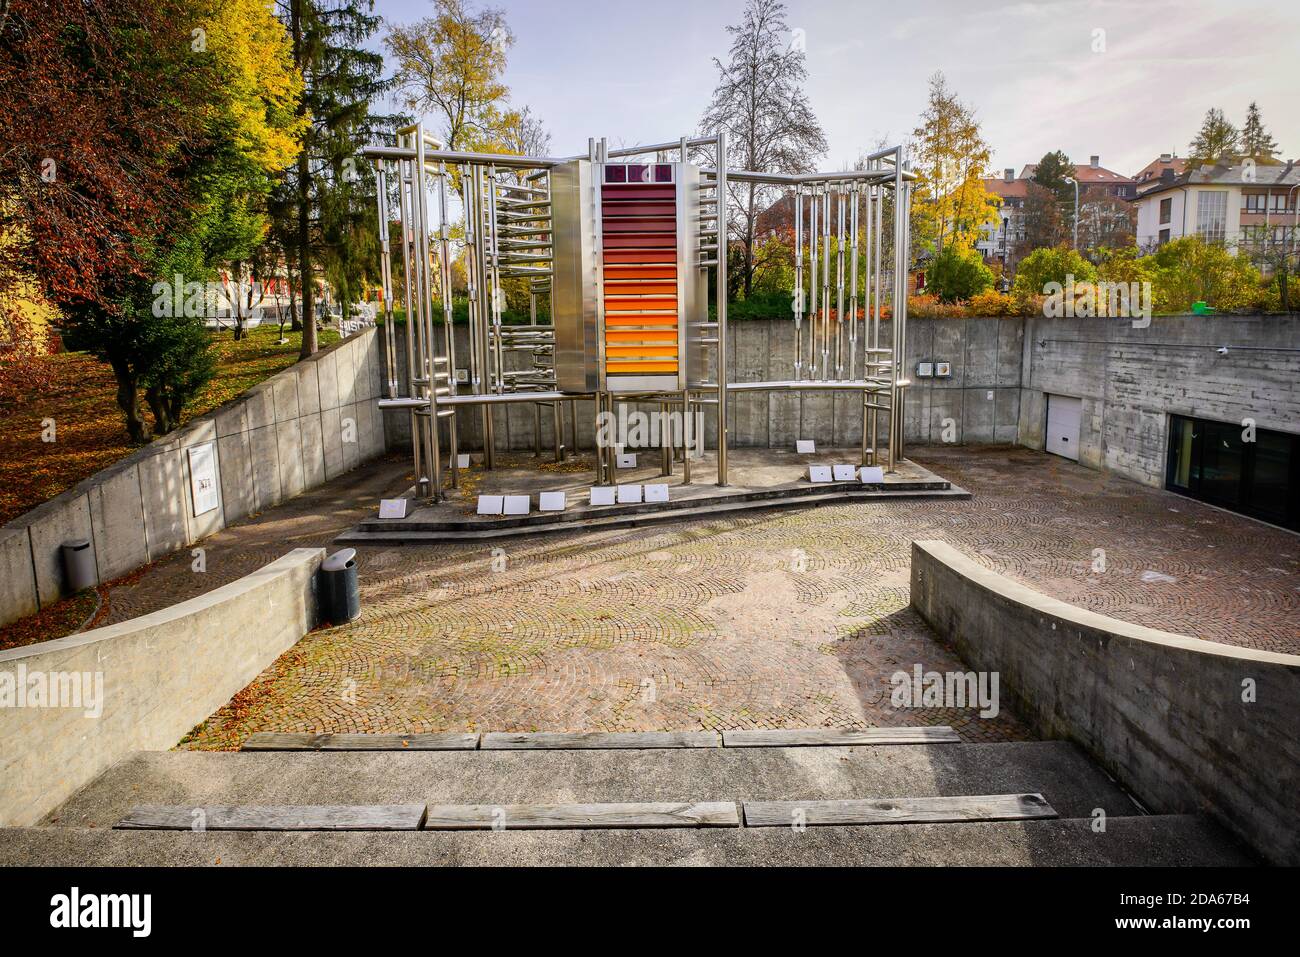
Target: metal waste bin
{"points": [[79, 564], [340, 593]]}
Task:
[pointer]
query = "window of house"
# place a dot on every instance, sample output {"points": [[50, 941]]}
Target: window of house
{"points": [[1164, 236], [1166, 210], [1278, 202], [1212, 214], [1256, 202]]}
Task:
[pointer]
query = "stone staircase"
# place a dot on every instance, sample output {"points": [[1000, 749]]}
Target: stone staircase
{"points": [[1051, 786]]}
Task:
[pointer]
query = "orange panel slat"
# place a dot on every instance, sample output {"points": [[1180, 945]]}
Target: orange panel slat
{"points": [[640, 335], [640, 319], [640, 367], [660, 351]]}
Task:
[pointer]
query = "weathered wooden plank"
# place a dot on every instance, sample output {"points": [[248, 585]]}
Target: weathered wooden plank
{"points": [[437, 741], [325, 817], [509, 817], [275, 741], [832, 737], [564, 740], [916, 810]]}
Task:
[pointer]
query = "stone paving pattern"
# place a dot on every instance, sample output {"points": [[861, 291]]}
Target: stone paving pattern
{"points": [[768, 619]]}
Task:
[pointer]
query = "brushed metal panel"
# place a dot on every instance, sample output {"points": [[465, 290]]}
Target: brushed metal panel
{"points": [[574, 280], [693, 295]]}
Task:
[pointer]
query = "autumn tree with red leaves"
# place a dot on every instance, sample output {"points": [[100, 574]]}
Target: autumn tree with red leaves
{"points": [[141, 140], [98, 119]]}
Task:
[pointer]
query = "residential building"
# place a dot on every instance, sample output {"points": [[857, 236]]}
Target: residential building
{"points": [[1242, 204], [1163, 167], [1104, 213], [1000, 241], [1094, 180]]}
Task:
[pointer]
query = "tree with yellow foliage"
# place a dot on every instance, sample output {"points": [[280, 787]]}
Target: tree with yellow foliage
{"points": [[451, 65], [949, 154], [255, 128]]}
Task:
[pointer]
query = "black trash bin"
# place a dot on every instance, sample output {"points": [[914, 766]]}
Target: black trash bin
{"points": [[340, 593], [79, 564]]}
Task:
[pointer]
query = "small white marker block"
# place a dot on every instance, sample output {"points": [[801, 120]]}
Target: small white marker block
{"points": [[656, 493], [462, 461], [845, 473], [629, 494], [602, 495], [392, 507], [873, 475], [517, 504], [626, 460], [491, 504], [819, 473], [551, 501], [805, 446]]}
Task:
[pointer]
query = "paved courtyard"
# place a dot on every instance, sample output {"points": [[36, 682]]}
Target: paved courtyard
{"points": [[769, 619]]}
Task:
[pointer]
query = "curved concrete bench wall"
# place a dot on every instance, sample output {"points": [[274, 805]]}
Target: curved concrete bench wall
{"points": [[1165, 714], [140, 684], [300, 428]]}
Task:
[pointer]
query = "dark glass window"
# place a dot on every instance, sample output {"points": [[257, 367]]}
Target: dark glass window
{"points": [[1253, 471], [1222, 460], [616, 174], [1271, 490]]}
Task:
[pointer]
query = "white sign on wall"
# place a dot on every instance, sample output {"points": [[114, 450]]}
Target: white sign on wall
{"points": [[203, 478]]}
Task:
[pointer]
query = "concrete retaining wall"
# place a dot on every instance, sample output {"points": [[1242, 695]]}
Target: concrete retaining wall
{"points": [[982, 396], [160, 675], [1165, 714], [303, 426], [1129, 380]]}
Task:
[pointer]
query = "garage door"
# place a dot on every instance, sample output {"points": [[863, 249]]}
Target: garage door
{"points": [[1063, 415]]}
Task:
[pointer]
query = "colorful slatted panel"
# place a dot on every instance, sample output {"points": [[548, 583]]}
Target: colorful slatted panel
{"points": [[639, 228]]}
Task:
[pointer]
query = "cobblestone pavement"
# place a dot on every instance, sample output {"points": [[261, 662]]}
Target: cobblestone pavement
{"points": [[763, 620]]}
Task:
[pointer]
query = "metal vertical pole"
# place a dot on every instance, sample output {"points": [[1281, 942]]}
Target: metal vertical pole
{"points": [[904, 264], [427, 365], [444, 291], [853, 283], [798, 282], [386, 280], [405, 200], [839, 282], [898, 308], [557, 430], [688, 436], [879, 293], [482, 323], [826, 285], [722, 307], [812, 282]]}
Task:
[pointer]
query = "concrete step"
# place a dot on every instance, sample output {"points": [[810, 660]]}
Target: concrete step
{"points": [[1135, 841], [396, 533], [1059, 771]]}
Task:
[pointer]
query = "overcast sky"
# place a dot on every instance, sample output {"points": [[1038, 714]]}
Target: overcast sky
{"points": [[641, 71]]}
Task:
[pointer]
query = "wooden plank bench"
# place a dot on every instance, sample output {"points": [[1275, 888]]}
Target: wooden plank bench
{"points": [[565, 740], [324, 817], [916, 810], [514, 817], [832, 737], [437, 741]]}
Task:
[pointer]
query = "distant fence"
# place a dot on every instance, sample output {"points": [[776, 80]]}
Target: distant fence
{"points": [[71, 707], [303, 426], [1187, 725]]}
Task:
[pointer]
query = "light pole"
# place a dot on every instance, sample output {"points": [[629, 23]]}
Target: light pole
{"points": [[1075, 182]]}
